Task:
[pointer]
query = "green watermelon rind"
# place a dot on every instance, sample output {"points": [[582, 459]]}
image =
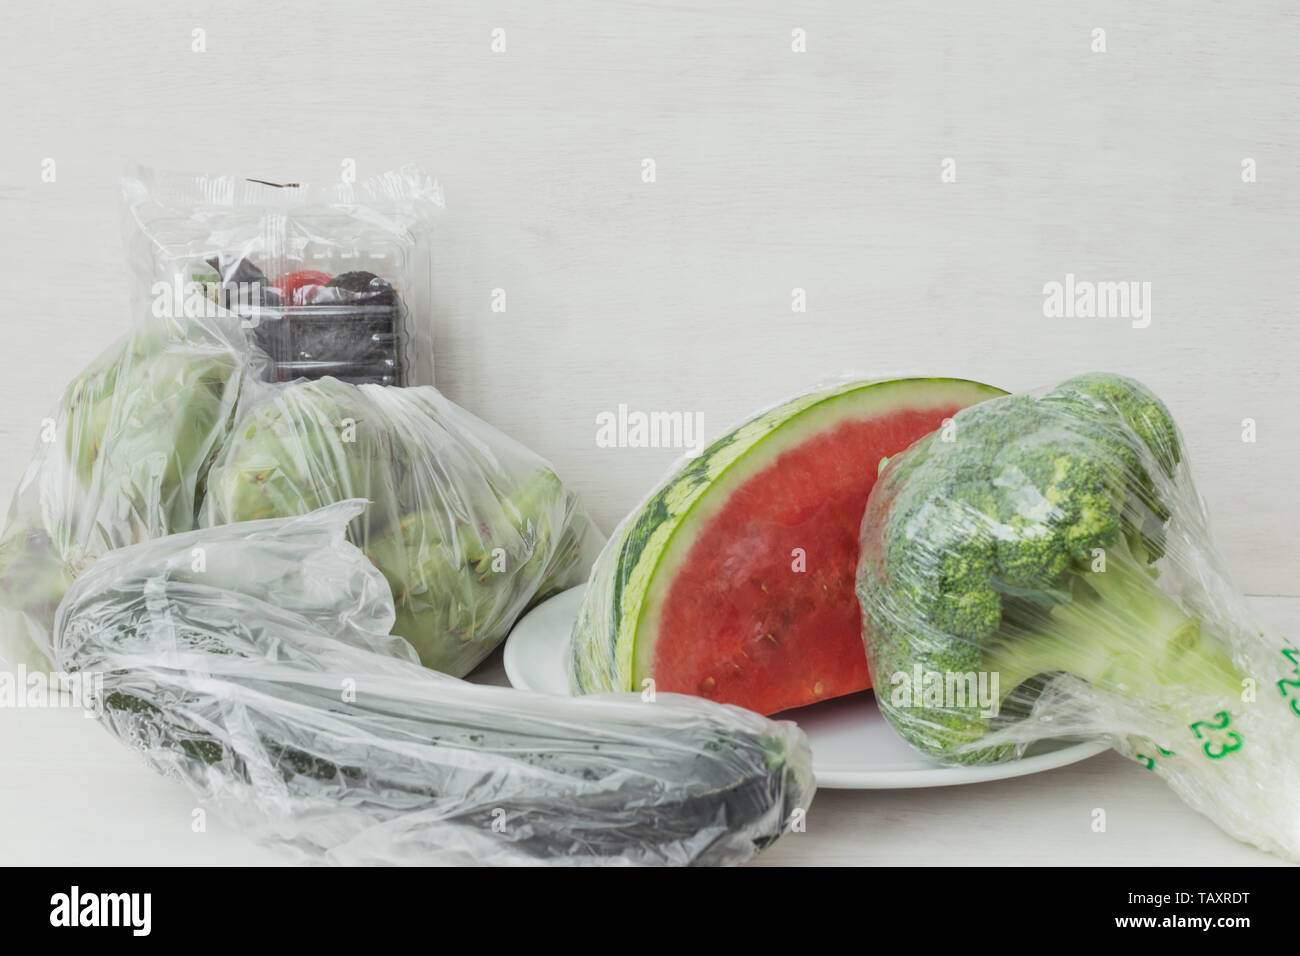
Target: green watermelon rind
{"points": [[604, 649]]}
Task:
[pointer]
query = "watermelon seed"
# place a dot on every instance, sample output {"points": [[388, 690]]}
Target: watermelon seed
{"points": [[708, 684], [769, 636], [819, 688]]}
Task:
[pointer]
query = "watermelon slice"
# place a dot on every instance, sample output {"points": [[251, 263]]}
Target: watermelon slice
{"points": [[734, 581]]}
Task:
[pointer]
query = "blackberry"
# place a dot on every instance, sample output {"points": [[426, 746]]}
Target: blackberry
{"points": [[361, 288]]}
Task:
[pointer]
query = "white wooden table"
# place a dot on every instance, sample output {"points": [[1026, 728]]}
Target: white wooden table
{"points": [[775, 170], [70, 794]]}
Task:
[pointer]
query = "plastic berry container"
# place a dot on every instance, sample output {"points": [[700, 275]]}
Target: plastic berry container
{"points": [[351, 326], [330, 280]]}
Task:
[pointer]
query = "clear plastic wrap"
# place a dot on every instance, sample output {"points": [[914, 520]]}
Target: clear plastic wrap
{"points": [[122, 459], [252, 661], [469, 526], [1043, 568], [328, 279]]}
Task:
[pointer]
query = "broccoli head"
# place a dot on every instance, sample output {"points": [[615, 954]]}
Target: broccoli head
{"points": [[1018, 544]]}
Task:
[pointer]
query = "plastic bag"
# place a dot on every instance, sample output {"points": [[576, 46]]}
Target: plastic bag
{"points": [[122, 459], [1044, 569], [252, 662], [328, 279], [468, 526]]}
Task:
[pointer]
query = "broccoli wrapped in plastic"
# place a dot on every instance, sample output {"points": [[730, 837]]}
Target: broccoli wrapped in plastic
{"points": [[122, 459], [1044, 569], [468, 526]]}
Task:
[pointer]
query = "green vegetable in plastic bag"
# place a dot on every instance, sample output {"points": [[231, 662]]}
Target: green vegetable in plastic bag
{"points": [[122, 459], [468, 526], [267, 682]]}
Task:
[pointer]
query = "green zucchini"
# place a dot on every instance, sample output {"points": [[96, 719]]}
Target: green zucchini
{"points": [[264, 677]]}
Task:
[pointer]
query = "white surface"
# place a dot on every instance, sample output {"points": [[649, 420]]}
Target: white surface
{"points": [[775, 170], [70, 795], [852, 744]]}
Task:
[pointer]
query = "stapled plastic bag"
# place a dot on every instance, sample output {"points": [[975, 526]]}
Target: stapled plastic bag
{"points": [[327, 278], [252, 661], [1043, 569], [122, 459], [468, 526]]}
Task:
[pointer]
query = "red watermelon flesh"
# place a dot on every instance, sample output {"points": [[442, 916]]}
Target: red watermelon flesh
{"points": [[762, 612]]}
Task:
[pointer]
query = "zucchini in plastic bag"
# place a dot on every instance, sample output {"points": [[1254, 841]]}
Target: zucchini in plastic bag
{"points": [[253, 662]]}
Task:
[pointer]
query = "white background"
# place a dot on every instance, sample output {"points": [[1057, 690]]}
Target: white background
{"points": [[775, 170]]}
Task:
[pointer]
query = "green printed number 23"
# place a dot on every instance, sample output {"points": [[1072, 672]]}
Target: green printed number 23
{"points": [[1214, 749], [1282, 685]]}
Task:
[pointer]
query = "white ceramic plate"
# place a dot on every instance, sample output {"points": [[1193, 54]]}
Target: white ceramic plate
{"points": [[853, 745]]}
